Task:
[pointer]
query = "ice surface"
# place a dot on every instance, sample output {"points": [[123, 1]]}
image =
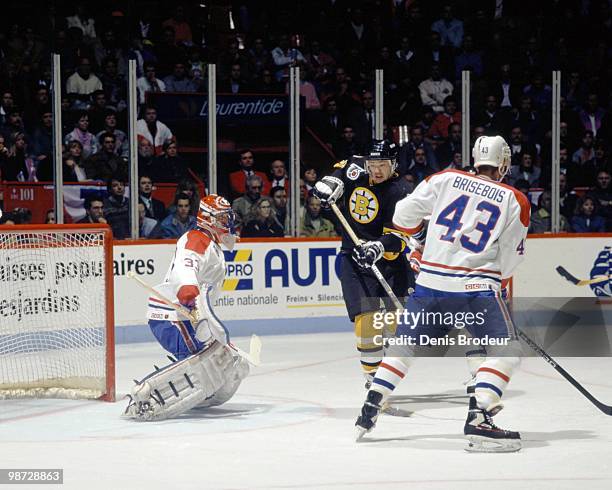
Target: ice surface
{"points": [[291, 426]]}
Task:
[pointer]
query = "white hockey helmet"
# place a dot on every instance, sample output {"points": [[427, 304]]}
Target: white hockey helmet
{"points": [[492, 151]]}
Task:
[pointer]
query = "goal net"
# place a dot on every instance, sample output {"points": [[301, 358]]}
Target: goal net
{"points": [[56, 312]]}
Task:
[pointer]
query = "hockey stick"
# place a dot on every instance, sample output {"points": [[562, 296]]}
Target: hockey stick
{"points": [[607, 409], [252, 357], [580, 282], [383, 282]]}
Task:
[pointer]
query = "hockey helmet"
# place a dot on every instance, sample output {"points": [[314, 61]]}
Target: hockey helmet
{"points": [[216, 216], [492, 151], [382, 150]]}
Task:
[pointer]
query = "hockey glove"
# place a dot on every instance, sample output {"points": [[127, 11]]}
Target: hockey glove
{"points": [[368, 253], [415, 258], [329, 190]]}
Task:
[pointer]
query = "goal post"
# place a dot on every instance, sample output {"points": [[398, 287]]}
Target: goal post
{"points": [[56, 312]]}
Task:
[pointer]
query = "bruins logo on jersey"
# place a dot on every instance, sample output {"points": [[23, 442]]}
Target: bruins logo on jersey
{"points": [[363, 205]]}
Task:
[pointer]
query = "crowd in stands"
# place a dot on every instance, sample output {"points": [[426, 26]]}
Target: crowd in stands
{"points": [[422, 47]]}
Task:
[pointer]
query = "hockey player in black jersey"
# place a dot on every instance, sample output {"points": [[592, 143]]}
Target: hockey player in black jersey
{"points": [[366, 189]]}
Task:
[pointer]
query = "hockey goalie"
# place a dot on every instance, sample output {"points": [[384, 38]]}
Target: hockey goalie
{"points": [[207, 370]]}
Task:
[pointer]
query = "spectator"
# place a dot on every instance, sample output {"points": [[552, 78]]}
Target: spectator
{"points": [[523, 186], [308, 92], [153, 208], [586, 219], [449, 28], [328, 122], [36, 107], [42, 136], [94, 210], [170, 166], [420, 167], [166, 51], [469, 59], [97, 111], [525, 170], [284, 56], [180, 221], [114, 85], [602, 159], [7, 102], [4, 158], [406, 57], [259, 57], [542, 219], [450, 115], [309, 178], [347, 145], [110, 126], [567, 198], [83, 22], [20, 166], [505, 89], [117, 208], [152, 130], [279, 199], [81, 84], [573, 91], [267, 84], [261, 220], [312, 223], [406, 153], [528, 119], [435, 89], [7, 219], [583, 170], [319, 60], [494, 119], [356, 33], [602, 194], [539, 92], [235, 84], [363, 120], [147, 162], [278, 175], [445, 153], [188, 187], [149, 83], [81, 133], [238, 179], [50, 217], [74, 169], [105, 163], [242, 205], [179, 81], [435, 53], [146, 225], [592, 116], [518, 146], [180, 26], [108, 47], [13, 124]]}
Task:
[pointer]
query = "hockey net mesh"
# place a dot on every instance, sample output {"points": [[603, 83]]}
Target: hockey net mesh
{"points": [[52, 314]]}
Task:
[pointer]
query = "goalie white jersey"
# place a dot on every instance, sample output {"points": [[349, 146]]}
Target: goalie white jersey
{"points": [[476, 232], [198, 267]]}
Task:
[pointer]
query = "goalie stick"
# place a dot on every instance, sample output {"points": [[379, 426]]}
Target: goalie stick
{"points": [[607, 409], [580, 282], [253, 356]]}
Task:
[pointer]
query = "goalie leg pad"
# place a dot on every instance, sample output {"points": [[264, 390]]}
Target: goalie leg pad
{"points": [[234, 376], [180, 386]]}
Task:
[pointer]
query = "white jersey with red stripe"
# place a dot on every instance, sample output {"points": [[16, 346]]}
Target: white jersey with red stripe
{"points": [[476, 232], [198, 267]]}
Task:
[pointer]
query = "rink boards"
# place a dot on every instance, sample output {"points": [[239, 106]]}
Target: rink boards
{"points": [[298, 279]]}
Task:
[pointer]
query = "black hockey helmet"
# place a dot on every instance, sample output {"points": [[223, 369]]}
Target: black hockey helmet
{"points": [[383, 150]]}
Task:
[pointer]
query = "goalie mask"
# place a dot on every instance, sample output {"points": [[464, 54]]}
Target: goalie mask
{"points": [[216, 216], [492, 151], [381, 160]]}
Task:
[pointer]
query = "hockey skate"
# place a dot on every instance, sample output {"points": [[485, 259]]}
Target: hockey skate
{"points": [[484, 436], [369, 413]]}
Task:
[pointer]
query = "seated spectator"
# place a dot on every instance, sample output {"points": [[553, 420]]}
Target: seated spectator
{"points": [[592, 116], [170, 166], [541, 221], [362, 120], [523, 186], [468, 59], [178, 22], [420, 167], [147, 162], [406, 152], [105, 163], [449, 28], [109, 47], [149, 83], [279, 199], [179, 222], [110, 126], [153, 208], [435, 89], [238, 179], [347, 145], [277, 176], [267, 84], [567, 198], [518, 145], [586, 219], [328, 123], [441, 123], [7, 219], [258, 57], [525, 170], [188, 187], [319, 60], [602, 194], [152, 130], [284, 56], [261, 220], [583, 170], [81, 134], [94, 210], [445, 153], [117, 208], [50, 217], [83, 22], [40, 104], [308, 92], [97, 111], [81, 84], [114, 85], [309, 177], [146, 225], [7, 102], [74, 167], [242, 205], [20, 165], [180, 81], [4, 156], [42, 136], [235, 83], [13, 125], [528, 119], [494, 119], [539, 92], [312, 223]]}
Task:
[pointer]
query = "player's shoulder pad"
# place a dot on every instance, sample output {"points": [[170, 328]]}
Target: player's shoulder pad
{"points": [[197, 242], [523, 202], [340, 164]]}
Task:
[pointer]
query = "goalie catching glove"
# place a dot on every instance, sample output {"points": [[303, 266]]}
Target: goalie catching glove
{"points": [[329, 190], [368, 253]]}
